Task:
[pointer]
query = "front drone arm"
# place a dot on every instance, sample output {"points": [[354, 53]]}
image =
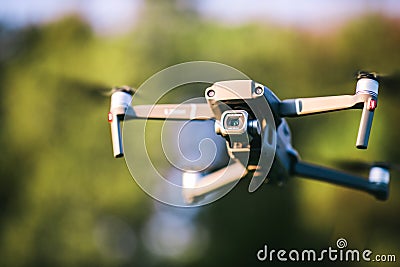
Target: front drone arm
{"points": [[365, 98], [314, 105], [170, 111], [121, 110]]}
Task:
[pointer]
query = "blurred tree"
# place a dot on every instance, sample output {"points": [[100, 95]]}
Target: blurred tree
{"points": [[65, 202]]}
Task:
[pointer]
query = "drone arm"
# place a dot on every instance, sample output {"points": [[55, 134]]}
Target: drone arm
{"points": [[170, 111], [305, 106], [116, 136], [378, 189], [214, 181], [119, 113]]}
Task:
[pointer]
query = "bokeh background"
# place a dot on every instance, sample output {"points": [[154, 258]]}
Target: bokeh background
{"points": [[64, 200]]}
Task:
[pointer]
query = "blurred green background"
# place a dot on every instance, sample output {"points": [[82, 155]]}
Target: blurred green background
{"points": [[66, 202]]}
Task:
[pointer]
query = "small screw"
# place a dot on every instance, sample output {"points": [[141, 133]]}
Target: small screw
{"points": [[258, 90], [210, 93]]}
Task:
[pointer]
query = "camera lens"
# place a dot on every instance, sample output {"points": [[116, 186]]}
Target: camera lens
{"points": [[233, 122]]}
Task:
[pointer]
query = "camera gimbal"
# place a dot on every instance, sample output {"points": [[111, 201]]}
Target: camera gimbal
{"points": [[251, 119]]}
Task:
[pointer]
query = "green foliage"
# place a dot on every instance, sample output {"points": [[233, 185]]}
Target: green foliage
{"points": [[59, 182]]}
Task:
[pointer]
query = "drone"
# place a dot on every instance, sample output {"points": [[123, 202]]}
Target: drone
{"points": [[251, 119]]}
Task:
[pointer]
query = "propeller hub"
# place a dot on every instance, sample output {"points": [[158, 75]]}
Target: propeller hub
{"points": [[367, 85]]}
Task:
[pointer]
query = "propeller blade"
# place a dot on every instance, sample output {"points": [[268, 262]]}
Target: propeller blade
{"points": [[353, 165], [123, 88], [359, 165], [366, 74]]}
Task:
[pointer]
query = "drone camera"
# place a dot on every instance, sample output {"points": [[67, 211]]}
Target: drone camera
{"points": [[237, 122], [234, 122]]}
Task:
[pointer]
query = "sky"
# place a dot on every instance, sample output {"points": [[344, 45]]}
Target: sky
{"points": [[121, 15]]}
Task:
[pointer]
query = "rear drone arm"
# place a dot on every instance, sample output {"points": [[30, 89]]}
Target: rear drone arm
{"points": [[366, 98], [212, 181], [377, 184]]}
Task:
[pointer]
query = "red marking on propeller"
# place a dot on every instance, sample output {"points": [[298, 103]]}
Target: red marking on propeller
{"points": [[110, 117]]}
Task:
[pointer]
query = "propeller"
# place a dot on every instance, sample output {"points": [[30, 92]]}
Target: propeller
{"points": [[366, 74], [389, 81], [379, 174], [359, 165], [124, 88], [391, 84], [95, 89]]}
